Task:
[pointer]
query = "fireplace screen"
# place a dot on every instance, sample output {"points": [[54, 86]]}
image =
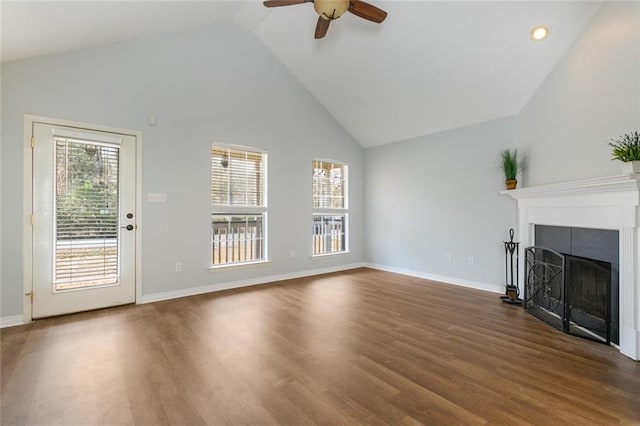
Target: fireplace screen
{"points": [[568, 292]]}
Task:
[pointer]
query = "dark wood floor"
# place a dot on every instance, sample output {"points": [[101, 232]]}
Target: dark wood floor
{"points": [[363, 346]]}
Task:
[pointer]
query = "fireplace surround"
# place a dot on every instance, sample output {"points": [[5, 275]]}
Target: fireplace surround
{"points": [[599, 203]]}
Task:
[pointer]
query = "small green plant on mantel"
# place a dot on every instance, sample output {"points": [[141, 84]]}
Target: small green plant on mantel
{"points": [[510, 167], [627, 147]]}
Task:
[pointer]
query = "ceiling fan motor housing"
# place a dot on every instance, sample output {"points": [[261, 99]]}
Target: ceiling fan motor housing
{"points": [[330, 9]]}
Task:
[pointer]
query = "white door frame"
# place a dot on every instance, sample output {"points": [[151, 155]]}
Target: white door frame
{"points": [[27, 208]]}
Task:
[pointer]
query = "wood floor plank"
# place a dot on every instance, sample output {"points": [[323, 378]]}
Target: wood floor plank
{"points": [[356, 347]]}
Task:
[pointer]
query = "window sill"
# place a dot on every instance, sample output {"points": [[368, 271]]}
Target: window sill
{"points": [[242, 265], [324, 255]]}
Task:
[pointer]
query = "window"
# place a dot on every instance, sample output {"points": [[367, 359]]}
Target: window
{"points": [[330, 211], [86, 219], [238, 203]]}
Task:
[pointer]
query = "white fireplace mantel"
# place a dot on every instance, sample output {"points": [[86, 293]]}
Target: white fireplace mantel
{"points": [[600, 203]]}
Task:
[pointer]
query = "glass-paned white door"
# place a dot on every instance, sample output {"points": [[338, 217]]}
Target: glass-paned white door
{"points": [[83, 219]]}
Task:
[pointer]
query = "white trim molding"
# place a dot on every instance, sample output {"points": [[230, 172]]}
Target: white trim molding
{"points": [[11, 321], [600, 203], [192, 291], [439, 278]]}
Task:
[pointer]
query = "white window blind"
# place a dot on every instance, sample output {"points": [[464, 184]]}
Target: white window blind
{"points": [[330, 207], [86, 207], [237, 177], [329, 185], [239, 207]]}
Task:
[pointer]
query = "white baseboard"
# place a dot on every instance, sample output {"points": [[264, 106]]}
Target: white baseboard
{"points": [[440, 278], [174, 294], [14, 320], [11, 321], [630, 342]]}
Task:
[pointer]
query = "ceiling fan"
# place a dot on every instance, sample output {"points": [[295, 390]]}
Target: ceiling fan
{"points": [[333, 9]]}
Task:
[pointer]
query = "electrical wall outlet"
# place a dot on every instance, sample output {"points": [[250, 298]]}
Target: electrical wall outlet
{"points": [[447, 258], [472, 260], [178, 266]]}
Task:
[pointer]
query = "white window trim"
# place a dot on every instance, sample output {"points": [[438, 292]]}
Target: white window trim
{"points": [[325, 211], [239, 147], [239, 265], [324, 255], [237, 210], [336, 212], [224, 209]]}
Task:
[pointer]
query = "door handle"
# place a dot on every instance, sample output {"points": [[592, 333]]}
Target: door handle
{"points": [[128, 227]]}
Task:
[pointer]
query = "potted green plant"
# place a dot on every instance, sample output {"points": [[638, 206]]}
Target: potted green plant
{"points": [[510, 167], [626, 148]]}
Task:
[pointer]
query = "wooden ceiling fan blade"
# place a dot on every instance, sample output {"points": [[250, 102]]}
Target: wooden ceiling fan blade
{"points": [[278, 3], [321, 27], [367, 11]]}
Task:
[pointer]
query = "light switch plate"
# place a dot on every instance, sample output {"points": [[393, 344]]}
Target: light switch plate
{"points": [[157, 198]]}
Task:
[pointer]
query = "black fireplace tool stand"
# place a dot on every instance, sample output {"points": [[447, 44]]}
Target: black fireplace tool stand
{"points": [[512, 292]]}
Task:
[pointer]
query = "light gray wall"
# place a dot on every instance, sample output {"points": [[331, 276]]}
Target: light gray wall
{"points": [[439, 194], [217, 84], [592, 95]]}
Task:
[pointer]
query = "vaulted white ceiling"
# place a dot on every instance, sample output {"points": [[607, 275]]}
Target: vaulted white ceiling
{"points": [[430, 67]]}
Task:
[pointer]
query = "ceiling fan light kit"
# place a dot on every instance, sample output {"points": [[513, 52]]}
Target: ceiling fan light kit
{"points": [[328, 10]]}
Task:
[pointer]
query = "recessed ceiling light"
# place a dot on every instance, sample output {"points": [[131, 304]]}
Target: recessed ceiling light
{"points": [[539, 33]]}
